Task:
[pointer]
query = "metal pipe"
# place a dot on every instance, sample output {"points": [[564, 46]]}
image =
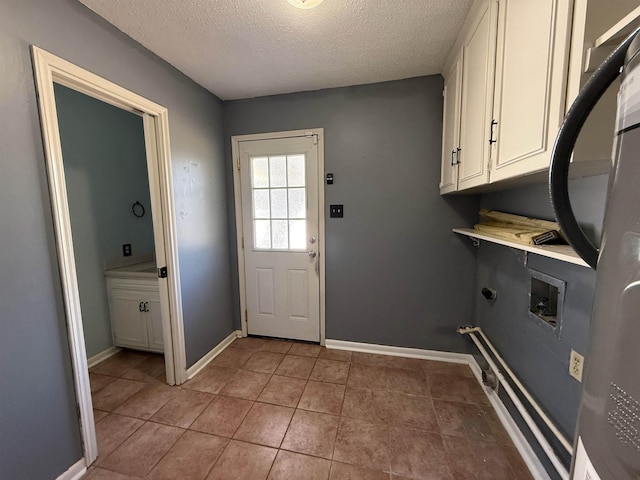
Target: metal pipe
{"points": [[544, 443]]}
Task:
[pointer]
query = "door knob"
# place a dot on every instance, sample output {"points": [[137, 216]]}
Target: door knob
{"points": [[312, 254]]}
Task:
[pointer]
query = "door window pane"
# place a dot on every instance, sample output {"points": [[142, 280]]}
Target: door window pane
{"points": [[297, 204], [260, 172], [278, 171], [261, 204], [262, 233], [279, 202], [295, 170], [297, 234], [280, 234]]}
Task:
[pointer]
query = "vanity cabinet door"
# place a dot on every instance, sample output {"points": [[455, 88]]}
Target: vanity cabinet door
{"points": [[129, 323], [136, 317], [154, 324]]}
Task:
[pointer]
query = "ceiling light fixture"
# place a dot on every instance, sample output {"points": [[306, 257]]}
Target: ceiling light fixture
{"points": [[306, 4]]}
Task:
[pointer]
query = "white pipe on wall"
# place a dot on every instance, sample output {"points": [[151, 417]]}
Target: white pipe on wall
{"points": [[544, 443], [565, 443]]}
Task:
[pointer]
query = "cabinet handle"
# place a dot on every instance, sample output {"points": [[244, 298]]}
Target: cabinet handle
{"points": [[141, 307], [146, 306], [455, 152], [491, 140]]}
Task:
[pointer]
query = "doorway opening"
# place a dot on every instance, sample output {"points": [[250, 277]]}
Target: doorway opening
{"points": [[108, 194], [53, 72]]}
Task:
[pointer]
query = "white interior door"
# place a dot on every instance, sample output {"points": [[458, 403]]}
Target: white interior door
{"points": [[279, 188]]}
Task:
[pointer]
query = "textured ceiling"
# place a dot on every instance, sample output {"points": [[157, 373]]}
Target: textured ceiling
{"points": [[250, 48]]}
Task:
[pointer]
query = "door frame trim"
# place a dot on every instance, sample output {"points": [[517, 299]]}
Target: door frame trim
{"points": [[237, 195], [48, 69]]}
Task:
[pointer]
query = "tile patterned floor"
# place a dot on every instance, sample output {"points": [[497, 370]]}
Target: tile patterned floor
{"points": [[276, 410]]}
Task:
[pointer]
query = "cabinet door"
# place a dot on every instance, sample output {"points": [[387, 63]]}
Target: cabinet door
{"points": [[129, 325], [531, 74], [154, 324], [451, 126], [478, 65]]}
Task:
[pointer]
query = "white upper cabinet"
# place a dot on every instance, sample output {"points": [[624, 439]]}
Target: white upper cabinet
{"points": [[531, 77], [515, 57], [514, 71], [451, 127], [468, 99], [478, 65]]}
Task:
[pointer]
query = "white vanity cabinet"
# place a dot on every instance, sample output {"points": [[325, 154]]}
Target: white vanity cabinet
{"points": [[514, 60], [134, 307]]}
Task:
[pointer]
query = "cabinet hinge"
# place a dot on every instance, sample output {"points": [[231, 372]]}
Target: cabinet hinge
{"points": [[238, 163], [246, 316], [242, 242], [162, 272]]}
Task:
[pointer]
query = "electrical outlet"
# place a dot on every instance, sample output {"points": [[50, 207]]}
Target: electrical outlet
{"points": [[576, 362], [336, 211], [126, 250]]}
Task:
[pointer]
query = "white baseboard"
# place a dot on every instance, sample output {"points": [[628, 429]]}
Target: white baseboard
{"points": [[519, 440], [213, 353], [436, 355], [102, 356], [75, 471]]}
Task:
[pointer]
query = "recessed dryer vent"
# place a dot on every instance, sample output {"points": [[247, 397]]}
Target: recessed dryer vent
{"points": [[546, 297]]}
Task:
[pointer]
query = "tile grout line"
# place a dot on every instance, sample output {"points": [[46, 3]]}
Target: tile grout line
{"points": [[278, 449], [335, 440], [295, 409], [217, 458], [256, 401], [168, 449]]}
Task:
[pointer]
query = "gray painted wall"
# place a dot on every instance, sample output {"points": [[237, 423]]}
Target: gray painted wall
{"points": [[395, 274], [539, 359], [105, 169], [587, 195], [37, 418]]}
